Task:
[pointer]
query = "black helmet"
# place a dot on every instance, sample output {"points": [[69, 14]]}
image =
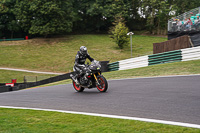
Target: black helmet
{"points": [[83, 50]]}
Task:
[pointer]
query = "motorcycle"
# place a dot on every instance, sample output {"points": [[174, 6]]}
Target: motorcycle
{"points": [[92, 78]]}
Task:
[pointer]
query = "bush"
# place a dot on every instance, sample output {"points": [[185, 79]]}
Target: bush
{"points": [[119, 33]]}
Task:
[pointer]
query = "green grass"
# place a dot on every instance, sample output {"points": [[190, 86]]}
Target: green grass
{"points": [[58, 54], [7, 75], [18, 121]]}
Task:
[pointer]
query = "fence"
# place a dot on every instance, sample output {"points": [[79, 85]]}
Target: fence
{"points": [[19, 86], [166, 57], [160, 58], [191, 54], [35, 78], [173, 44], [133, 63], [5, 88], [113, 66]]}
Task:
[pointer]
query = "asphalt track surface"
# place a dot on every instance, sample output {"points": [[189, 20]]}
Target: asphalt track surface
{"points": [[165, 98]]}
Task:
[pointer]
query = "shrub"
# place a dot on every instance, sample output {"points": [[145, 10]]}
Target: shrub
{"points": [[119, 33]]}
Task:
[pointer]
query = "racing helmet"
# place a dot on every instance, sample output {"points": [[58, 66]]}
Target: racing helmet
{"points": [[83, 50]]}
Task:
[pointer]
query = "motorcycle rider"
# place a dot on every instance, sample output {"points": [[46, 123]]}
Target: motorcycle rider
{"points": [[79, 66]]}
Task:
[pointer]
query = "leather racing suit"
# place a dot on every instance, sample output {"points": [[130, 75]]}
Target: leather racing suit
{"points": [[80, 59]]}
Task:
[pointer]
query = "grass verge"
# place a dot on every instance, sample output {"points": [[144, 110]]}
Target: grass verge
{"points": [[17, 121], [58, 54]]}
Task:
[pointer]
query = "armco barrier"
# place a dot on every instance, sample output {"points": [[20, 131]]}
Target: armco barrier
{"points": [[133, 63], [166, 57], [5, 88], [160, 58], [20, 86], [113, 66], [191, 53]]}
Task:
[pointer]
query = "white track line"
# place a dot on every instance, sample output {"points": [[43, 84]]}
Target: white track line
{"points": [[22, 70], [112, 116]]}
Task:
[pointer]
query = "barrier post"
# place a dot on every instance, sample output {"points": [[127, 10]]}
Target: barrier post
{"points": [[24, 79]]}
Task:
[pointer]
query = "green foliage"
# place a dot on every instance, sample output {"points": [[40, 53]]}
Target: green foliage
{"points": [[45, 17], [8, 22], [96, 15], [182, 6], [119, 33]]}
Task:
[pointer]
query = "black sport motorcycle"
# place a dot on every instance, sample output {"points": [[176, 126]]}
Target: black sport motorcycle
{"points": [[92, 78]]}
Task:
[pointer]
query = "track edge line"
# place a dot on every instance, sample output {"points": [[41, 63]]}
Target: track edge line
{"points": [[111, 116]]}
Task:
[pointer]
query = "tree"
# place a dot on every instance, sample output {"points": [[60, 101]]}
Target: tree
{"points": [[8, 22], [43, 17], [119, 32], [157, 13], [182, 6], [96, 15]]}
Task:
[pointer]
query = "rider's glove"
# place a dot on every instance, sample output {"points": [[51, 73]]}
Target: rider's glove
{"points": [[95, 61]]}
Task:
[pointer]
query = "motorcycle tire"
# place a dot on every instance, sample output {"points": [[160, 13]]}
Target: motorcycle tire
{"points": [[77, 87], [103, 84]]}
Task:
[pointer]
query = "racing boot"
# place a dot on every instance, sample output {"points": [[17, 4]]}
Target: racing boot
{"points": [[74, 78]]}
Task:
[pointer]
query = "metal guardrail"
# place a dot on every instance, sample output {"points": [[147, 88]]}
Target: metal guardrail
{"points": [[186, 54], [113, 66], [133, 63], [166, 57], [144, 61], [19, 86], [191, 54], [5, 88]]}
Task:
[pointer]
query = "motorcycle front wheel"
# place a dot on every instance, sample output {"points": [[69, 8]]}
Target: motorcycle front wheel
{"points": [[77, 87], [103, 84]]}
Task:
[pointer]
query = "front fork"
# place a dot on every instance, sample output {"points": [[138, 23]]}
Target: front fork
{"points": [[96, 78]]}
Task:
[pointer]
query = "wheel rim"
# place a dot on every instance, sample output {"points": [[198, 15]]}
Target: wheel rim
{"points": [[76, 87], [102, 84]]}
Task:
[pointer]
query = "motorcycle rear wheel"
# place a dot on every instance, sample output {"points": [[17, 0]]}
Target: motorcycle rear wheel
{"points": [[103, 84], [77, 87]]}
